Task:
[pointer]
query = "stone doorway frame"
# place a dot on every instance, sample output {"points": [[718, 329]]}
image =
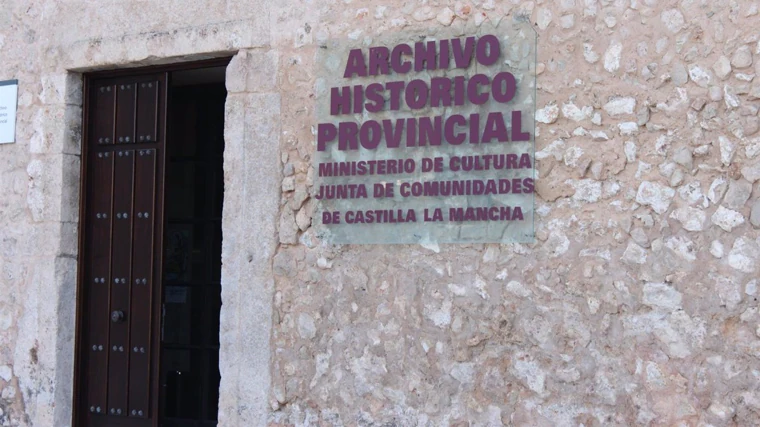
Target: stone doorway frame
{"points": [[252, 177]]}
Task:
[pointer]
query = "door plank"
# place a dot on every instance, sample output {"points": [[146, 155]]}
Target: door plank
{"points": [[147, 111], [142, 284], [125, 112], [100, 216], [105, 108], [121, 282]]}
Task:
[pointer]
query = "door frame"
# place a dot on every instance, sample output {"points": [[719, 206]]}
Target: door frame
{"points": [[159, 231]]}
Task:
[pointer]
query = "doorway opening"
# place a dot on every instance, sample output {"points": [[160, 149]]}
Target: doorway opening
{"points": [[151, 233], [193, 249]]}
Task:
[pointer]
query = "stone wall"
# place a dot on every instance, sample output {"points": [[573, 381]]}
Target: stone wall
{"points": [[46, 45], [636, 305]]}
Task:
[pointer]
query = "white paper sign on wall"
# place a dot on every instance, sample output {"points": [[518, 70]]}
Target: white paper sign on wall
{"points": [[8, 103]]}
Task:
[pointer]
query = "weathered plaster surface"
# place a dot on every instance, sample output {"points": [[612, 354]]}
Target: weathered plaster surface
{"points": [[636, 306], [39, 215]]}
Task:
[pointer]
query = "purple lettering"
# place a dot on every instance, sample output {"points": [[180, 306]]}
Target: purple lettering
{"points": [[411, 139], [525, 161], [474, 128], [355, 64], [488, 50], [451, 137], [370, 134], [358, 99], [440, 92], [326, 132], [374, 94], [340, 100], [495, 128], [472, 89], [393, 134], [424, 56], [416, 94], [517, 133], [443, 55], [431, 131], [516, 185], [459, 90], [347, 132], [378, 60], [463, 56], [399, 66], [396, 88], [528, 183], [503, 87]]}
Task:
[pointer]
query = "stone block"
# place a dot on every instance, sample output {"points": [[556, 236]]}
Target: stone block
{"points": [[727, 219], [744, 255], [236, 73], [262, 70], [70, 170], [661, 296], [262, 176], [57, 129], [655, 195], [44, 192], [754, 216], [61, 88], [738, 193]]}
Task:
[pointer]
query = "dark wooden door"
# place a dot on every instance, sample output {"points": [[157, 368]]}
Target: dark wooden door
{"points": [[120, 268]]}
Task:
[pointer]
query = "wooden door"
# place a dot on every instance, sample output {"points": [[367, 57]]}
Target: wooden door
{"points": [[120, 265]]}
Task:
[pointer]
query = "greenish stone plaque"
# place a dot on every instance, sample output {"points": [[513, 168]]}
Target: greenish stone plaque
{"points": [[427, 137]]}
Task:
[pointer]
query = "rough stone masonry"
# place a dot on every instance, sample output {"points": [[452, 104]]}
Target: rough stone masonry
{"points": [[637, 305]]}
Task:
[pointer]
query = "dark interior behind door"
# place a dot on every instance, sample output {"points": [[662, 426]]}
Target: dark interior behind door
{"points": [[192, 263]]}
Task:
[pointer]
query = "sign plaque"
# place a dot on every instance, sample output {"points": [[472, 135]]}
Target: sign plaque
{"points": [[427, 137], [8, 103]]}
